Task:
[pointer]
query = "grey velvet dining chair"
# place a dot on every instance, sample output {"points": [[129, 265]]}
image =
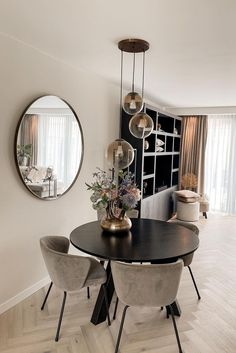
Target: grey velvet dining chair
{"points": [[147, 286], [187, 259], [70, 272]]}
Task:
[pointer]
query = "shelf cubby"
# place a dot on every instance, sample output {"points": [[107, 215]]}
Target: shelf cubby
{"points": [[163, 172], [176, 144], [148, 163], [148, 187], [153, 114], [165, 123], [175, 178], [151, 140], [178, 126], [169, 144], [176, 161]]}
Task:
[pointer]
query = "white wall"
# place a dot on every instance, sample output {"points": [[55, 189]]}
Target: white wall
{"points": [[24, 75]]}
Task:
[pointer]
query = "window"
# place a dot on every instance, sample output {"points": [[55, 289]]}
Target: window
{"points": [[220, 167]]}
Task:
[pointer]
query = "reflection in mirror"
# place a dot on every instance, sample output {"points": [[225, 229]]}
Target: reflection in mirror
{"points": [[49, 147]]}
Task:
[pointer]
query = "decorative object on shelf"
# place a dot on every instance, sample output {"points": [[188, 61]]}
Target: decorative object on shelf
{"points": [[115, 199], [141, 124], [189, 181], [159, 142], [159, 127], [145, 185], [146, 145]]}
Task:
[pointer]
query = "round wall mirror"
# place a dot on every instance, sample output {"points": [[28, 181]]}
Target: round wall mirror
{"points": [[49, 147]]}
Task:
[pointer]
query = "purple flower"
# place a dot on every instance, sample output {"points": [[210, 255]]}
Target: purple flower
{"points": [[128, 201]]}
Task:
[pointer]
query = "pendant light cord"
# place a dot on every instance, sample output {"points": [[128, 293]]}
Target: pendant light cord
{"points": [[121, 89], [143, 74], [132, 90]]}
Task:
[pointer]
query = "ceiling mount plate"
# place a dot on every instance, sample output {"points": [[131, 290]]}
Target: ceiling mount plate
{"points": [[133, 45]]}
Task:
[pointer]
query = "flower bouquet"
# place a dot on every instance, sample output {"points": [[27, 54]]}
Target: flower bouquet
{"points": [[114, 199]]}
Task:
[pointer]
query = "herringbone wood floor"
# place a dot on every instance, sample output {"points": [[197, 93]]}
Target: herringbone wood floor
{"points": [[206, 326]]}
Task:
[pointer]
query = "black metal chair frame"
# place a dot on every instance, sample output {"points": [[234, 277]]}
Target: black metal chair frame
{"points": [[170, 309], [63, 306]]}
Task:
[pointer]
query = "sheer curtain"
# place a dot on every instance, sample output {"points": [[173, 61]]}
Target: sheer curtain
{"points": [[220, 169], [29, 135], [59, 145]]}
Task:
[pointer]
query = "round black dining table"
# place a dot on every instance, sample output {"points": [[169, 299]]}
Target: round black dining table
{"points": [[147, 241]]}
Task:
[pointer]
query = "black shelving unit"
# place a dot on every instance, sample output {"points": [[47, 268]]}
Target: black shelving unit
{"points": [[156, 167]]}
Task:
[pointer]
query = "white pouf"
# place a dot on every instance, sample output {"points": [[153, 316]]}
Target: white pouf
{"points": [[188, 211]]}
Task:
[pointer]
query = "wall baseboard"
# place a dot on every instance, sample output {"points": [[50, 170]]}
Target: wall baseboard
{"points": [[23, 295]]}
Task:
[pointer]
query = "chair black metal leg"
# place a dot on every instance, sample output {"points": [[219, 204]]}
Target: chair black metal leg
{"points": [[88, 293], [121, 328], [60, 318], [167, 312], [46, 297], [199, 297], [107, 304], [175, 327], [115, 311]]}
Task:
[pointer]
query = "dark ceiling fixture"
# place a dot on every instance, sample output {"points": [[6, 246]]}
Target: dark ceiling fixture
{"points": [[141, 124]]}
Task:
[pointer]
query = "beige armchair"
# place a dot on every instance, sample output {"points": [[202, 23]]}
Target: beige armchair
{"points": [[149, 285], [70, 272]]}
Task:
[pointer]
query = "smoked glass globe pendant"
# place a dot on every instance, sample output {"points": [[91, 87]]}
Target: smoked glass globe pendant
{"points": [[119, 154], [133, 103], [141, 124]]}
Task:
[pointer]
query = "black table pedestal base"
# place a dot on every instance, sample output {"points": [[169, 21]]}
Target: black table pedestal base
{"points": [[100, 313]]}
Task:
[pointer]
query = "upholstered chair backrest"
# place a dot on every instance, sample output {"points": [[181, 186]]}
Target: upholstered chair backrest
{"points": [[147, 285], [68, 272], [187, 259], [190, 226]]}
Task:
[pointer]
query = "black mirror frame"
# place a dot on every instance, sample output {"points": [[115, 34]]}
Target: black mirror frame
{"points": [[15, 149]]}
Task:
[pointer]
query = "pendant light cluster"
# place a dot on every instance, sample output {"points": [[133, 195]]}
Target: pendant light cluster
{"points": [[141, 124], [120, 154]]}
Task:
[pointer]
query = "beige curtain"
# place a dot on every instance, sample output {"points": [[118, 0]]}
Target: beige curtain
{"points": [[194, 136], [29, 135]]}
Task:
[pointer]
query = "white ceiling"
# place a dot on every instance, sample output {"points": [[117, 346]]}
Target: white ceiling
{"points": [[192, 56]]}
